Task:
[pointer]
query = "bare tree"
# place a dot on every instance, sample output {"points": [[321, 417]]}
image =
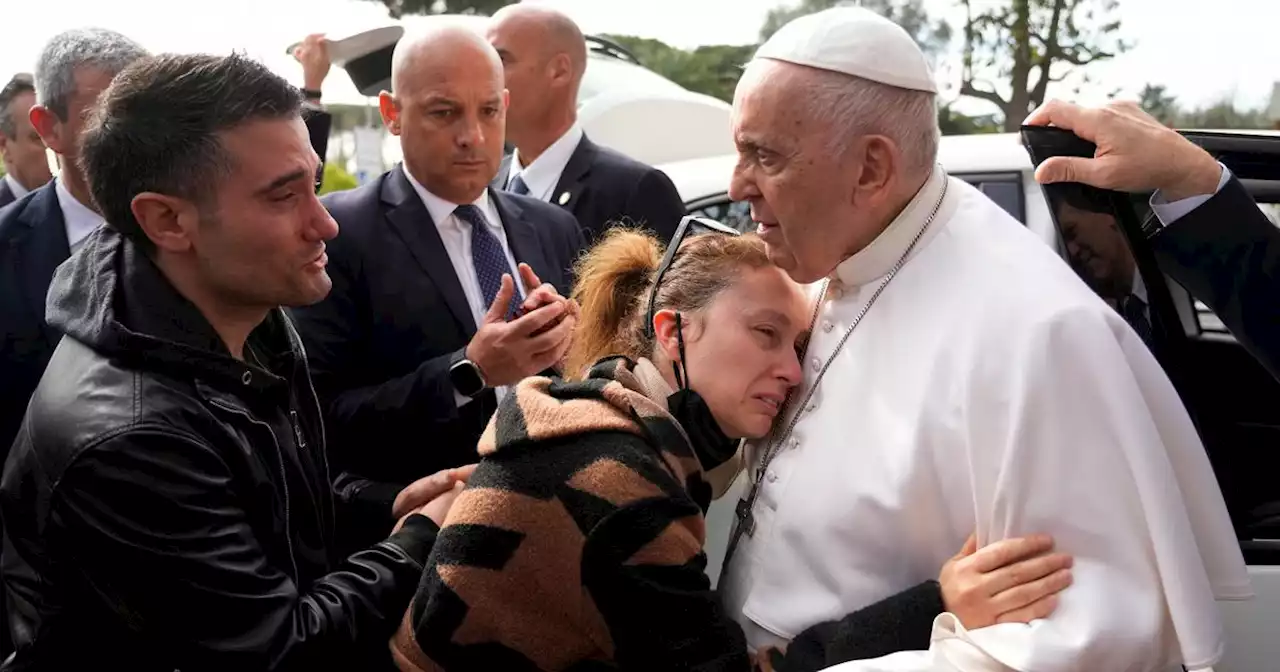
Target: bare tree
{"points": [[1044, 38]]}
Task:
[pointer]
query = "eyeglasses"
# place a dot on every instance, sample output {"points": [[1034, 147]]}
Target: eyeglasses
{"points": [[689, 226]]}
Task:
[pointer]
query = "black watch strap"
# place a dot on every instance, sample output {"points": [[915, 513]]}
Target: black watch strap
{"points": [[310, 94], [466, 378]]}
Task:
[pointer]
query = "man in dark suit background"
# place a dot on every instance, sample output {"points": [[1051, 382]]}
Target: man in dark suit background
{"points": [[25, 165], [545, 56], [418, 338], [41, 230], [1211, 237]]}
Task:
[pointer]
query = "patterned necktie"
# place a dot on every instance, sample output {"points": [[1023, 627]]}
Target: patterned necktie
{"points": [[487, 256], [1134, 311], [517, 186]]}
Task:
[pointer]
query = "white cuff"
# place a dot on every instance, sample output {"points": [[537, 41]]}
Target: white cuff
{"points": [[1169, 213]]}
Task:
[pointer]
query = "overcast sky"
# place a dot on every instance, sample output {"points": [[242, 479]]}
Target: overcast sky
{"points": [[1202, 51]]}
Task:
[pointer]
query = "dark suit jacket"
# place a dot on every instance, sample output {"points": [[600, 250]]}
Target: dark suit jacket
{"points": [[6, 194], [33, 241], [381, 344], [605, 187], [1227, 254]]}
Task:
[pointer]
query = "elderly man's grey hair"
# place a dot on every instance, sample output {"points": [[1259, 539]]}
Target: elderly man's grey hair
{"points": [[105, 50], [852, 107]]}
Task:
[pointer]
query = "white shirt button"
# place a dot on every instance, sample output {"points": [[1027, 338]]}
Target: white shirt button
{"points": [[828, 326], [773, 477], [793, 444], [815, 364], [810, 408]]}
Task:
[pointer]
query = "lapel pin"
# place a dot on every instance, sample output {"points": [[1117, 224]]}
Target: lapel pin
{"points": [[564, 198]]}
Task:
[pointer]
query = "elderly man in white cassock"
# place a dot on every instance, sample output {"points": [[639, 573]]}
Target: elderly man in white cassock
{"points": [[959, 377]]}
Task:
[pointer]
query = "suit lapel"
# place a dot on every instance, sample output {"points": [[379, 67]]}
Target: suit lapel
{"points": [[571, 185], [411, 221], [521, 235], [46, 247]]}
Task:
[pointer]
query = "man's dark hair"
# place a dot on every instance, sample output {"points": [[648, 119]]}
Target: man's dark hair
{"points": [[157, 127], [22, 83]]}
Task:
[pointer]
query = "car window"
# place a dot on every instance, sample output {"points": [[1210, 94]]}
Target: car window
{"points": [[1005, 189], [721, 209]]}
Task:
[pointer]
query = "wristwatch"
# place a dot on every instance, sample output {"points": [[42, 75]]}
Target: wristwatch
{"points": [[467, 378]]}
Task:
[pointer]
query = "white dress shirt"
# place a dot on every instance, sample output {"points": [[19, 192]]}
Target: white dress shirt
{"points": [[455, 233], [18, 190], [542, 176], [79, 218], [1169, 212]]}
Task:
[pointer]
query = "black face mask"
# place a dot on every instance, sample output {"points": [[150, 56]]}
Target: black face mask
{"points": [[712, 446]]}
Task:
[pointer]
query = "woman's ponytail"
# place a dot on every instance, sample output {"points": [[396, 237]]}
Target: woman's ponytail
{"points": [[612, 288]]}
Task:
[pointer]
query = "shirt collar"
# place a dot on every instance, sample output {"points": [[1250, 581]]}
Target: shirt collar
{"points": [[875, 260], [543, 174], [80, 220], [1139, 286], [18, 190], [441, 211]]}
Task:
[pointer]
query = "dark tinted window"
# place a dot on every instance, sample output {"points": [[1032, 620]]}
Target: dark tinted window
{"points": [[1005, 189], [1098, 250], [721, 209]]}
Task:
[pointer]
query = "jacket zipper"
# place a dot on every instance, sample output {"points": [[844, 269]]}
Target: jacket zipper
{"points": [[284, 480]]}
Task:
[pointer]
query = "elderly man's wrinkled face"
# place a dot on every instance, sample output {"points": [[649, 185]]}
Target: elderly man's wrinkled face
{"points": [[801, 191]]}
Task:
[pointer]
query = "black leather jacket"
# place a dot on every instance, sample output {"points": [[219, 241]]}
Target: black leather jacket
{"points": [[168, 507]]}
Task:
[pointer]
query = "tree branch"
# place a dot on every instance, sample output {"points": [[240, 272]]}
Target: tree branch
{"points": [[1079, 55], [1051, 51], [968, 89]]}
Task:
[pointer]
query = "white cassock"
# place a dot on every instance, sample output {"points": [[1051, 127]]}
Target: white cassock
{"points": [[988, 389]]}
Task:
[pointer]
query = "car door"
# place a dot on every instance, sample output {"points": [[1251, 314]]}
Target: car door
{"points": [[1234, 402]]}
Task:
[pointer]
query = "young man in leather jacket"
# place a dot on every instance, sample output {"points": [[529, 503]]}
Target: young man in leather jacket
{"points": [[167, 502]]}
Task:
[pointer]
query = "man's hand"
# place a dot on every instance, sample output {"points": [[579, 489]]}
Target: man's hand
{"points": [[422, 491], [1135, 153], [505, 351], [1010, 581], [545, 294], [313, 54], [437, 509]]}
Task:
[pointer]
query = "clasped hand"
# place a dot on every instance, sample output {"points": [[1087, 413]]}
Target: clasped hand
{"points": [[535, 340]]}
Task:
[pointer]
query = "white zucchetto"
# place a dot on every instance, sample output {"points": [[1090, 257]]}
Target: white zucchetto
{"points": [[854, 41]]}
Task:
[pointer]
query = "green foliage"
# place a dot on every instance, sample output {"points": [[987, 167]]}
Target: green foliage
{"points": [[1222, 115], [712, 69], [1158, 104], [957, 123], [398, 8], [336, 178]]}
